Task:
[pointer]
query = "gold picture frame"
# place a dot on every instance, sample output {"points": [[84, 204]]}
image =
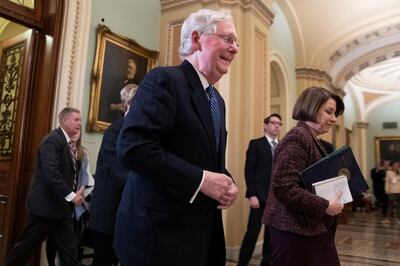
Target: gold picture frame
{"points": [[387, 148], [113, 58]]}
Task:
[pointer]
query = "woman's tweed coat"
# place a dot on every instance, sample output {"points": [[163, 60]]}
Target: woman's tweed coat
{"points": [[290, 207]]}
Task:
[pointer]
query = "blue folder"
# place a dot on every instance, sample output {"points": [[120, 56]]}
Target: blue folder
{"points": [[339, 162]]}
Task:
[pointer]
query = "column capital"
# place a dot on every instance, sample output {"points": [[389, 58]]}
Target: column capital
{"points": [[318, 77]]}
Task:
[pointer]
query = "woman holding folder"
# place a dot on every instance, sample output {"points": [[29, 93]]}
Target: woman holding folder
{"points": [[302, 223]]}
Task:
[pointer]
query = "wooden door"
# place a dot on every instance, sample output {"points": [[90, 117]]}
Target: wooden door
{"points": [[15, 76]]}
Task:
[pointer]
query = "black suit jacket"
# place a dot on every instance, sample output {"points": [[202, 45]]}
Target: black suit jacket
{"points": [[166, 141], [110, 180], [258, 168], [54, 178]]}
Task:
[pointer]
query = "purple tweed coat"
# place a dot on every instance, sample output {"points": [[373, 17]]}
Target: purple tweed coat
{"points": [[290, 207]]}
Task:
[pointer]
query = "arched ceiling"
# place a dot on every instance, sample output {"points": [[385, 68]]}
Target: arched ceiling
{"points": [[357, 42]]}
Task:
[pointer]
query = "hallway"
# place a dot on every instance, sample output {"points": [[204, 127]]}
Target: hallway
{"points": [[365, 240]]}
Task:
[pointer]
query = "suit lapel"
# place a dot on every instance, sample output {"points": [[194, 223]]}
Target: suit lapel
{"points": [[201, 104], [266, 144]]}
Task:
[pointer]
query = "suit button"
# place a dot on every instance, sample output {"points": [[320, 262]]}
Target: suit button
{"points": [[210, 215]]}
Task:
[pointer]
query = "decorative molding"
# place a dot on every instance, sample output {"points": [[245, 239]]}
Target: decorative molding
{"points": [[73, 56], [170, 40], [371, 61], [266, 93], [362, 125], [310, 73], [6, 12], [364, 39], [257, 6]]}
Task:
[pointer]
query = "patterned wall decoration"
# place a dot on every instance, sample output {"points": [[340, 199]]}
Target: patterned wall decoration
{"points": [[370, 62], [10, 77], [363, 40]]}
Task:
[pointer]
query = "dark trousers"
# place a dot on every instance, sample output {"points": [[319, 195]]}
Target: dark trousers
{"points": [[290, 249], [51, 244], [36, 231], [250, 238], [104, 254]]}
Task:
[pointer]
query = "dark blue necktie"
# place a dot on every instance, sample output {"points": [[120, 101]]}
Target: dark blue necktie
{"points": [[216, 115]]}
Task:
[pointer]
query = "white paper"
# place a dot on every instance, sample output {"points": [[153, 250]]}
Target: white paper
{"points": [[328, 188]]}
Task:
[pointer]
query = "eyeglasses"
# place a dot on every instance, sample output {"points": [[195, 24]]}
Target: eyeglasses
{"points": [[228, 39], [275, 123]]}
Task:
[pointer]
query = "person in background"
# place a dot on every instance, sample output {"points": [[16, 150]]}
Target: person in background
{"points": [[301, 223], [378, 174], [52, 195], [111, 176], [392, 189], [173, 142], [258, 176], [86, 180]]}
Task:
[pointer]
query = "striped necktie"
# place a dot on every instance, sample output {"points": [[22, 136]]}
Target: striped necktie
{"points": [[72, 149], [215, 113]]}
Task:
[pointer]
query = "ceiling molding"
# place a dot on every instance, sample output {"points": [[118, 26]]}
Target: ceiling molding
{"points": [[362, 40], [352, 68], [259, 7]]}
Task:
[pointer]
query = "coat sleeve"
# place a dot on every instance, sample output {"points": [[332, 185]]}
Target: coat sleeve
{"points": [[250, 170], [142, 143], [50, 160], [292, 156]]}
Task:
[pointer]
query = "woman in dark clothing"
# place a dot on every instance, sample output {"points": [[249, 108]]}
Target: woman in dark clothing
{"points": [[301, 223]]}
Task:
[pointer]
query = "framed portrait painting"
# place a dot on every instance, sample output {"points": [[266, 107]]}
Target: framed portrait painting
{"points": [[119, 61], [387, 148]]}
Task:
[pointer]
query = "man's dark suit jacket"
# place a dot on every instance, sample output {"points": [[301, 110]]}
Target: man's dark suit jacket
{"points": [[258, 168], [53, 180], [110, 181], [166, 141]]}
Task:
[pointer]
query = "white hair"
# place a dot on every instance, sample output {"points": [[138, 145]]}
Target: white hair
{"points": [[127, 93], [201, 21]]}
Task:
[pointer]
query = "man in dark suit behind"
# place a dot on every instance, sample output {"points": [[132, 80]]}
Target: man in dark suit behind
{"points": [[258, 176], [52, 196], [111, 176], [169, 212]]}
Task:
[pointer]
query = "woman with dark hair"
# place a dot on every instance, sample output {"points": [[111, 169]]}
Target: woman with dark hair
{"points": [[302, 223]]}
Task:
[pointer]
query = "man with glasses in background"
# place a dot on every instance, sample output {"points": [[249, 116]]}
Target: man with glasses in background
{"points": [[258, 177]]}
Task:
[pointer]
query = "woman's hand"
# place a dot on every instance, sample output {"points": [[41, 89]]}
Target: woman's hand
{"points": [[335, 205]]}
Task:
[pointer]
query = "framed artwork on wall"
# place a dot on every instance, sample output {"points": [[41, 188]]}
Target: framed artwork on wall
{"points": [[118, 61], [387, 148]]}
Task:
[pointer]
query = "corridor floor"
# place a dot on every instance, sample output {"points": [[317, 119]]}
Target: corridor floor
{"points": [[364, 240]]}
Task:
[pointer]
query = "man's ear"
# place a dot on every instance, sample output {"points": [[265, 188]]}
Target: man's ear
{"points": [[196, 45]]}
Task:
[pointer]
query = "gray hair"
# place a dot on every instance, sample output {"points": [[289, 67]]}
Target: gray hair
{"points": [[127, 93], [65, 112], [201, 21]]}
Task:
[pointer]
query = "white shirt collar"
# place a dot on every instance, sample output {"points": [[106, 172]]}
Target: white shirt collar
{"points": [[66, 135], [203, 79], [270, 139]]}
